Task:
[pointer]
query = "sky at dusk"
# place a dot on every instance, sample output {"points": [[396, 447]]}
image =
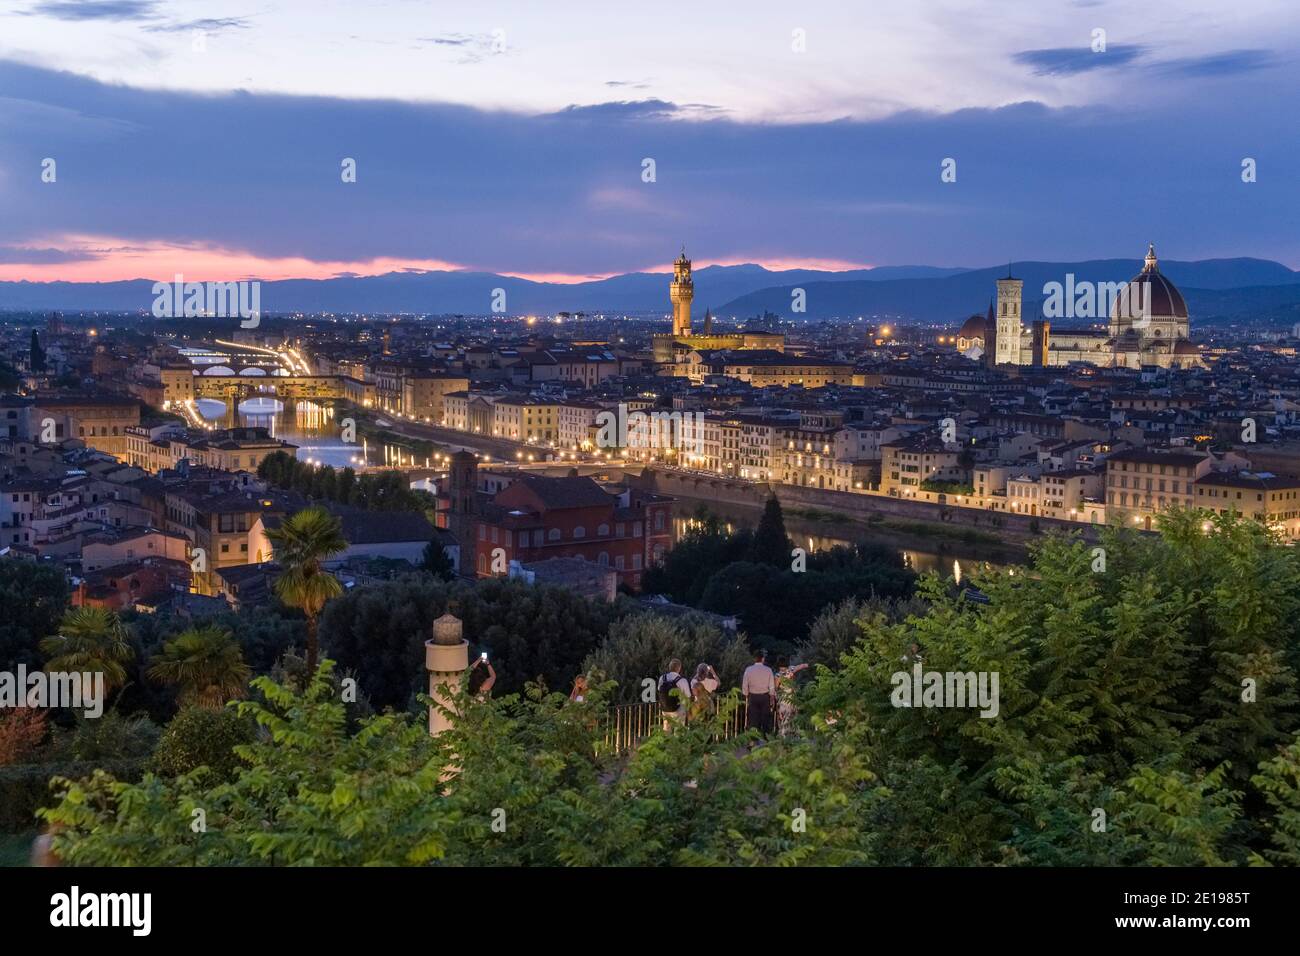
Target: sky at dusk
{"points": [[207, 138]]}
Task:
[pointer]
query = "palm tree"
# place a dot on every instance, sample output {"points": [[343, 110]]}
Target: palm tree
{"points": [[206, 665], [90, 639], [302, 543]]}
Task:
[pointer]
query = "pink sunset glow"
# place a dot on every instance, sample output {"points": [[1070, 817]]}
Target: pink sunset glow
{"points": [[111, 259]]}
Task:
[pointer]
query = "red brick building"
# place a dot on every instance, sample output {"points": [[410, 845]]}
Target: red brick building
{"points": [[123, 586], [537, 518]]}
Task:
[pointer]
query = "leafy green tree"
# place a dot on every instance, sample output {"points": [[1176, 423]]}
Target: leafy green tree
{"points": [[835, 631], [533, 634], [336, 797], [437, 562], [386, 491], [205, 665], [705, 548], [34, 597], [201, 737], [90, 639], [377, 633], [1143, 715], [302, 543], [37, 354], [388, 794], [1110, 682], [111, 736], [640, 647], [715, 570], [1279, 781], [771, 545], [1175, 818]]}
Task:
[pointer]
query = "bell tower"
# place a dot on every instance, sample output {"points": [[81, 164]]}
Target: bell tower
{"points": [[1009, 323], [681, 291], [462, 509]]}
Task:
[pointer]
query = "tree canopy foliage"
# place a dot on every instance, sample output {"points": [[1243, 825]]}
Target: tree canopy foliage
{"points": [[1146, 716], [34, 597], [377, 634], [753, 574], [384, 491]]}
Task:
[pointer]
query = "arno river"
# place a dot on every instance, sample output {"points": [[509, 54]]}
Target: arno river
{"points": [[313, 429], [950, 557]]}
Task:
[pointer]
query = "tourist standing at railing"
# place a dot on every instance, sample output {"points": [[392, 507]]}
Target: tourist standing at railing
{"points": [[758, 686], [674, 695], [785, 709], [703, 685]]}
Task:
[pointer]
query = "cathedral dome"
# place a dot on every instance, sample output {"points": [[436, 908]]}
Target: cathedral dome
{"points": [[973, 329], [1149, 286], [1186, 347]]}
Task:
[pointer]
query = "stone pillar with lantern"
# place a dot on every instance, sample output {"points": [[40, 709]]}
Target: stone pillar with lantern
{"points": [[446, 658]]}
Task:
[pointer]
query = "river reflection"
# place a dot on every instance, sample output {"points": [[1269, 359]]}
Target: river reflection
{"points": [[955, 561], [312, 427]]}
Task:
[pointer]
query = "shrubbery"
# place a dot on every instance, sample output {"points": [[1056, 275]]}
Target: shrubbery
{"points": [[198, 737]]}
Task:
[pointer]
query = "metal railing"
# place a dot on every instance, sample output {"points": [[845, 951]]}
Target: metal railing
{"points": [[627, 725]]}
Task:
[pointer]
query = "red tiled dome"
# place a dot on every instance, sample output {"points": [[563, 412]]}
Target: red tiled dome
{"points": [[973, 329], [1165, 299]]}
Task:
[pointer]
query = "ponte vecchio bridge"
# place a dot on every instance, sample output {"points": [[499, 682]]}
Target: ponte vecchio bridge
{"points": [[222, 384]]}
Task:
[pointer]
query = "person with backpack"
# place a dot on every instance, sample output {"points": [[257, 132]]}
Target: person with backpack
{"points": [[674, 694]]}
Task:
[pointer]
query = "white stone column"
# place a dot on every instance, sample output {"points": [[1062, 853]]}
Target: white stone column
{"points": [[446, 657]]}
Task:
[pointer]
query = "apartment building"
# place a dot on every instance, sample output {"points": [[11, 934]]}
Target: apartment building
{"points": [[99, 421], [759, 442], [106, 550], [536, 518], [217, 521], [1271, 499], [424, 393], [908, 462], [576, 420], [806, 457], [1067, 493], [233, 449], [863, 442], [1142, 482], [527, 420], [720, 451]]}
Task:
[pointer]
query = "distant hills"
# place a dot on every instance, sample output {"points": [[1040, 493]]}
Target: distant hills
{"points": [[921, 293], [457, 292], [1212, 288]]}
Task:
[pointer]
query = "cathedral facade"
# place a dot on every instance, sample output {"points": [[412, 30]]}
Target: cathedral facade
{"points": [[1148, 326]]}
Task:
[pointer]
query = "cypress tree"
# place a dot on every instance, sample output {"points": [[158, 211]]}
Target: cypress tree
{"points": [[771, 544], [38, 354]]}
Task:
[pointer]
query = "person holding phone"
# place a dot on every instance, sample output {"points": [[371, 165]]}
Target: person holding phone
{"points": [[703, 685], [785, 705], [481, 678]]}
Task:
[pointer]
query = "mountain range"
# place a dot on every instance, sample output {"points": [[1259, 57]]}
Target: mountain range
{"points": [[1212, 287]]}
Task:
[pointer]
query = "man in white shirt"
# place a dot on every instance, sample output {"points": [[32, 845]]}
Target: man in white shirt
{"points": [[674, 695], [758, 686]]}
